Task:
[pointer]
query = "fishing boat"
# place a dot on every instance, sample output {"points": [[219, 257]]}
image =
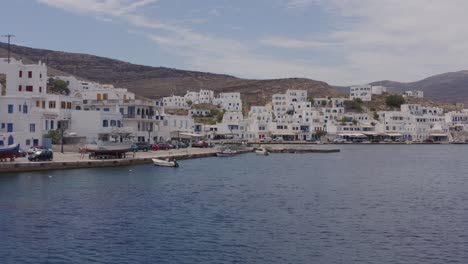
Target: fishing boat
{"points": [[226, 153], [115, 145], [9, 152], [262, 151], [165, 163]]}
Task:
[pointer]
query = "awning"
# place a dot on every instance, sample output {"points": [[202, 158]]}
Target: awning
{"points": [[283, 133], [369, 133], [394, 134], [356, 135], [191, 134], [437, 135]]}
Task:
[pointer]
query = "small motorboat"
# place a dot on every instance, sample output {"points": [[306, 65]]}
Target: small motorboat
{"points": [[9, 152], [165, 163], [226, 153], [262, 151]]}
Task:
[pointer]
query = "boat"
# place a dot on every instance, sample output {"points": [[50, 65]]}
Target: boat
{"points": [[262, 151], [9, 152], [226, 153], [114, 145], [165, 163], [107, 147]]}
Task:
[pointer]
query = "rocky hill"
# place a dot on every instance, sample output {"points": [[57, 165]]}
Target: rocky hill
{"points": [[154, 82], [448, 87]]}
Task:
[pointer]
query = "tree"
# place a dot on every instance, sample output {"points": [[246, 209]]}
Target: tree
{"points": [[320, 133], [355, 121], [55, 135], [376, 116], [394, 100], [324, 103], [353, 105], [189, 103], [311, 100], [358, 100], [56, 86]]}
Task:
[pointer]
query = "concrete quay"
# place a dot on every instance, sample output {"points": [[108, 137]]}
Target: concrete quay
{"points": [[73, 160]]}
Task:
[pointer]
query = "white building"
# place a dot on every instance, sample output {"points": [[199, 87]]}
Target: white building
{"points": [[24, 117], [363, 92], [415, 94], [283, 103], [378, 89], [175, 102], [229, 101], [201, 97]]}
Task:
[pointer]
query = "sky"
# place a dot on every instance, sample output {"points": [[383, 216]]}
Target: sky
{"points": [[342, 42]]}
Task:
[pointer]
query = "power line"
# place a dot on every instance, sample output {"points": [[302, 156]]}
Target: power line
{"points": [[9, 36]]}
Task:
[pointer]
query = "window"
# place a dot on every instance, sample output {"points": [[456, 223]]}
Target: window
{"points": [[47, 124], [43, 104], [21, 74], [10, 109], [106, 109], [40, 76], [38, 104], [28, 142], [40, 89], [3, 125], [9, 127], [104, 96], [113, 123], [51, 124], [20, 88], [29, 88], [51, 104], [105, 123], [69, 105], [119, 123], [32, 128], [63, 105], [19, 108], [29, 74]]}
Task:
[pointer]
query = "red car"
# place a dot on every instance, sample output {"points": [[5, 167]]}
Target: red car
{"points": [[155, 147], [200, 144], [164, 146]]}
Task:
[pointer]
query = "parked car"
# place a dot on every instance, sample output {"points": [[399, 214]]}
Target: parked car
{"points": [[200, 144], [145, 146], [33, 149], [164, 146], [155, 147], [338, 140], [42, 154], [180, 144], [278, 139], [22, 153]]}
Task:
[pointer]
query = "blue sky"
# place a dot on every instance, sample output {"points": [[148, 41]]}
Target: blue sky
{"points": [[338, 41]]}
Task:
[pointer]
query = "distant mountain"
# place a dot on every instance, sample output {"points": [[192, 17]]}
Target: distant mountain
{"points": [[155, 82], [448, 87]]}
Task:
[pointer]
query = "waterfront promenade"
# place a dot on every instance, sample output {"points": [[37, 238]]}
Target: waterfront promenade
{"points": [[73, 160]]}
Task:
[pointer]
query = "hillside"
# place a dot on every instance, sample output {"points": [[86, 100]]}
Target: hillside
{"points": [[155, 82], [448, 87]]}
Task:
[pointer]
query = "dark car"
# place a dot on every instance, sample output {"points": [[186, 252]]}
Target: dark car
{"points": [[43, 154], [181, 144], [22, 153], [200, 144], [141, 146]]}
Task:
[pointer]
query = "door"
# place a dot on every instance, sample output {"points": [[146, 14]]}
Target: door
{"points": [[11, 140]]}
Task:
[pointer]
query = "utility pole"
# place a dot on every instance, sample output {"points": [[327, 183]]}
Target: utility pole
{"points": [[9, 36]]}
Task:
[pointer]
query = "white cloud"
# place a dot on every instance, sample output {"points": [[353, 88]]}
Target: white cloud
{"points": [[373, 39], [391, 39]]}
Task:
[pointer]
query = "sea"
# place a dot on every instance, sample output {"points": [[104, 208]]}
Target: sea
{"points": [[365, 204]]}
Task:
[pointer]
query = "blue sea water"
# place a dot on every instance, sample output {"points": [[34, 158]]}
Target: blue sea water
{"points": [[366, 204]]}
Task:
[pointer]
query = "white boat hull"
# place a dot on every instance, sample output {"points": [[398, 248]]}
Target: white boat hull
{"points": [[262, 152], [165, 163]]}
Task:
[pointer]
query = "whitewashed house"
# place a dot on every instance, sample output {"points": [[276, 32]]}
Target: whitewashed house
{"points": [[363, 92], [230, 102]]}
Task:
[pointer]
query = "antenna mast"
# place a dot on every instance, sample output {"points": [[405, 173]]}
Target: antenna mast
{"points": [[9, 36]]}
